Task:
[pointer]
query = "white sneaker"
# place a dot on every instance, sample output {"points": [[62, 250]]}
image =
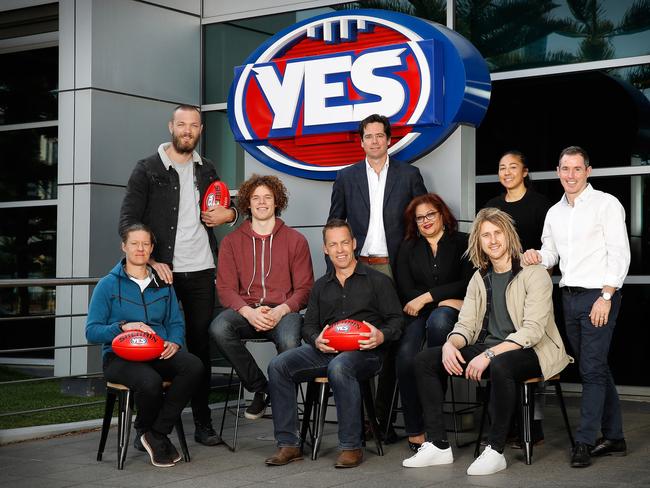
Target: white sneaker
{"points": [[429, 455], [489, 462]]}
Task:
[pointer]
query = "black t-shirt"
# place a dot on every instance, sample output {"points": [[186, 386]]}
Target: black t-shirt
{"points": [[528, 213]]}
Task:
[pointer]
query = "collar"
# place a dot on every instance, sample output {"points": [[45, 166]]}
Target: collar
{"points": [[516, 268], [384, 167], [359, 269], [168, 162], [586, 193]]}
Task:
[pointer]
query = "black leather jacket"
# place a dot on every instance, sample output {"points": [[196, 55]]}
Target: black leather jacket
{"points": [[152, 196]]}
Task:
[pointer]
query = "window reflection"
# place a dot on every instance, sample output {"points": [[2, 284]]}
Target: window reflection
{"points": [[28, 84], [31, 159], [607, 112], [523, 34]]}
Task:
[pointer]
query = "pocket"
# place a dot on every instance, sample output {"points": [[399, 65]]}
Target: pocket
{"points": [[160, 180]]}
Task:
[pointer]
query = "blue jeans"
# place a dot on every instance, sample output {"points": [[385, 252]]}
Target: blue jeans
{"points": [[343, 370], [599, 407], [230, 327], [436, 327]]}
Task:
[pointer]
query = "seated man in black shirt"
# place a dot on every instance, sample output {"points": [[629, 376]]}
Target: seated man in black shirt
{"points": [[350, 290]]}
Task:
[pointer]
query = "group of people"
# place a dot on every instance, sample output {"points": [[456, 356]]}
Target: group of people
{"points": [[438, 302]]}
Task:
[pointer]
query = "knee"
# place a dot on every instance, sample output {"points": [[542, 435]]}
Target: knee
{"points": [[222, 327], [149, 386], [340, 371], [277, 367], [289, 334], [439, 325], [500, 369], [405, 361], [429, 360]]}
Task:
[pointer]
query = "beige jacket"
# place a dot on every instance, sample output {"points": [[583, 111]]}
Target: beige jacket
{"points": [[530, 305]]}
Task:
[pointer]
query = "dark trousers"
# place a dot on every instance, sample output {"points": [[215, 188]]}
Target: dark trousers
{"points": [[600, 408], [505, 372], [434, 329], [230, 327], [196, 292], [155, 410]]}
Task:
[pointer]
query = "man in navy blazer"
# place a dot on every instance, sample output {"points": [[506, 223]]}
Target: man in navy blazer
{"points": [[372, 196]]}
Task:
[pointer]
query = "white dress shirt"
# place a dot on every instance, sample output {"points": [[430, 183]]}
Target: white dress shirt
{"points": [[589, 239], [375, 243]]}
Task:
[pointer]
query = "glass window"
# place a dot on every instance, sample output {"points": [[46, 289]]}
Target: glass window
{"points": [[28, 242], [606, 111], [222, 150], [30, 158], [28, 84], [29, 21], [523, 34]]}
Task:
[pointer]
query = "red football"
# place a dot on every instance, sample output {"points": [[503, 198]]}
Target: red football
{"points": [[136, 345], [216, 194], [344, 335]]}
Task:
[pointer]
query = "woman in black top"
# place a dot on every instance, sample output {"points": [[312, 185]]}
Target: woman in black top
{"points": [[432, 277], [526, 207], [528, 210]]}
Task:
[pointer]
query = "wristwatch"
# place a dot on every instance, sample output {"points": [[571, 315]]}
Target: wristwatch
{"points": [[606, 296], [489, 353]]}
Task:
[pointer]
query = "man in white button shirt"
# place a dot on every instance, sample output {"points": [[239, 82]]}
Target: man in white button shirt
{"points": [[585, 231], [372, 196]]}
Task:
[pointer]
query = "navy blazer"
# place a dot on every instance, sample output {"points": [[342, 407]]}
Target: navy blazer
{"points": [[351, 201]]}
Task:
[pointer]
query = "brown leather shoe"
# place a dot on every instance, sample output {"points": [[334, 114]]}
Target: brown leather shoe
{"points": [[349, 458], [285, 455]]}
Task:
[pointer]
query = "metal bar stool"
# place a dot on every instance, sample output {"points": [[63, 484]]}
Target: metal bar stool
{"points": [[318, 393], [125, 413], [240, 403], [527, 414], [468, 406]]}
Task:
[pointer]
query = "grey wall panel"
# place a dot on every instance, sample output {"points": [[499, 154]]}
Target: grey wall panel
{"points": [[104, 241], [82, 136], [229, 9], [314, 236], [81, 233], [145, 50], [66, 44], [447, 169], [124, 130], [65, 171], [189, 6], [83, 29]]}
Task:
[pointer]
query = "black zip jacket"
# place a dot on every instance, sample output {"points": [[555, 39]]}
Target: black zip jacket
{"points": [[152, 196]]}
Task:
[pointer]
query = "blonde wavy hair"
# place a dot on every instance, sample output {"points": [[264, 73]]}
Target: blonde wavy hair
{"points": [[504, 222]]}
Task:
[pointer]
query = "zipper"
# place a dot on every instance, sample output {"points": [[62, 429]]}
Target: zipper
{"points": [[263, 278], [549, 337]]}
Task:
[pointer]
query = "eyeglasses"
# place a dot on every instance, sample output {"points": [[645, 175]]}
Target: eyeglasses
{"points": [[431, 216]]}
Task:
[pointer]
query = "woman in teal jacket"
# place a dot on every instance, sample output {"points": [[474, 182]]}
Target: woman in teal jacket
{"points": [[132, 297]]}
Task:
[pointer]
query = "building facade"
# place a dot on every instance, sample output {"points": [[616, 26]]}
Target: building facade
{"points": [[87, 86]]}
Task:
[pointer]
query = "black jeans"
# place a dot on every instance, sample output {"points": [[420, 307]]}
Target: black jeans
{"points": [[196, 292], [155, 410], [506, 372]]}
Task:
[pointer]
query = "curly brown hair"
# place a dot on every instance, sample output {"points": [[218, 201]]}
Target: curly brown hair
{"points": [[273, 183], [448, 220]]}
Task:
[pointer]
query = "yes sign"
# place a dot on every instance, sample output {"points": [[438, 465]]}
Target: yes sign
{"points": [[297, 102]]}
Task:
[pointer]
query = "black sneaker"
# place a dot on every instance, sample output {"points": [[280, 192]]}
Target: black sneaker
{"points": [[580, 457], [257, 407], [172, 451], [206, 435], [137, 442], [156, 446]]}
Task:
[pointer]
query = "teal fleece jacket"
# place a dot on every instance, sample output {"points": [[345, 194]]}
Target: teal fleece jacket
{"points": [[117, 298]]}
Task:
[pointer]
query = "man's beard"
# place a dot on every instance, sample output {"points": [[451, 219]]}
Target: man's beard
{"points": [[182, 147]]}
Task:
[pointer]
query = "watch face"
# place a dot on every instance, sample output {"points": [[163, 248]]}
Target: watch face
{"points": [[607, 296]]}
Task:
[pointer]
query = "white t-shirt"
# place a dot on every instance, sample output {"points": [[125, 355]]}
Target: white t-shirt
{"points": [[192, 248]]}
